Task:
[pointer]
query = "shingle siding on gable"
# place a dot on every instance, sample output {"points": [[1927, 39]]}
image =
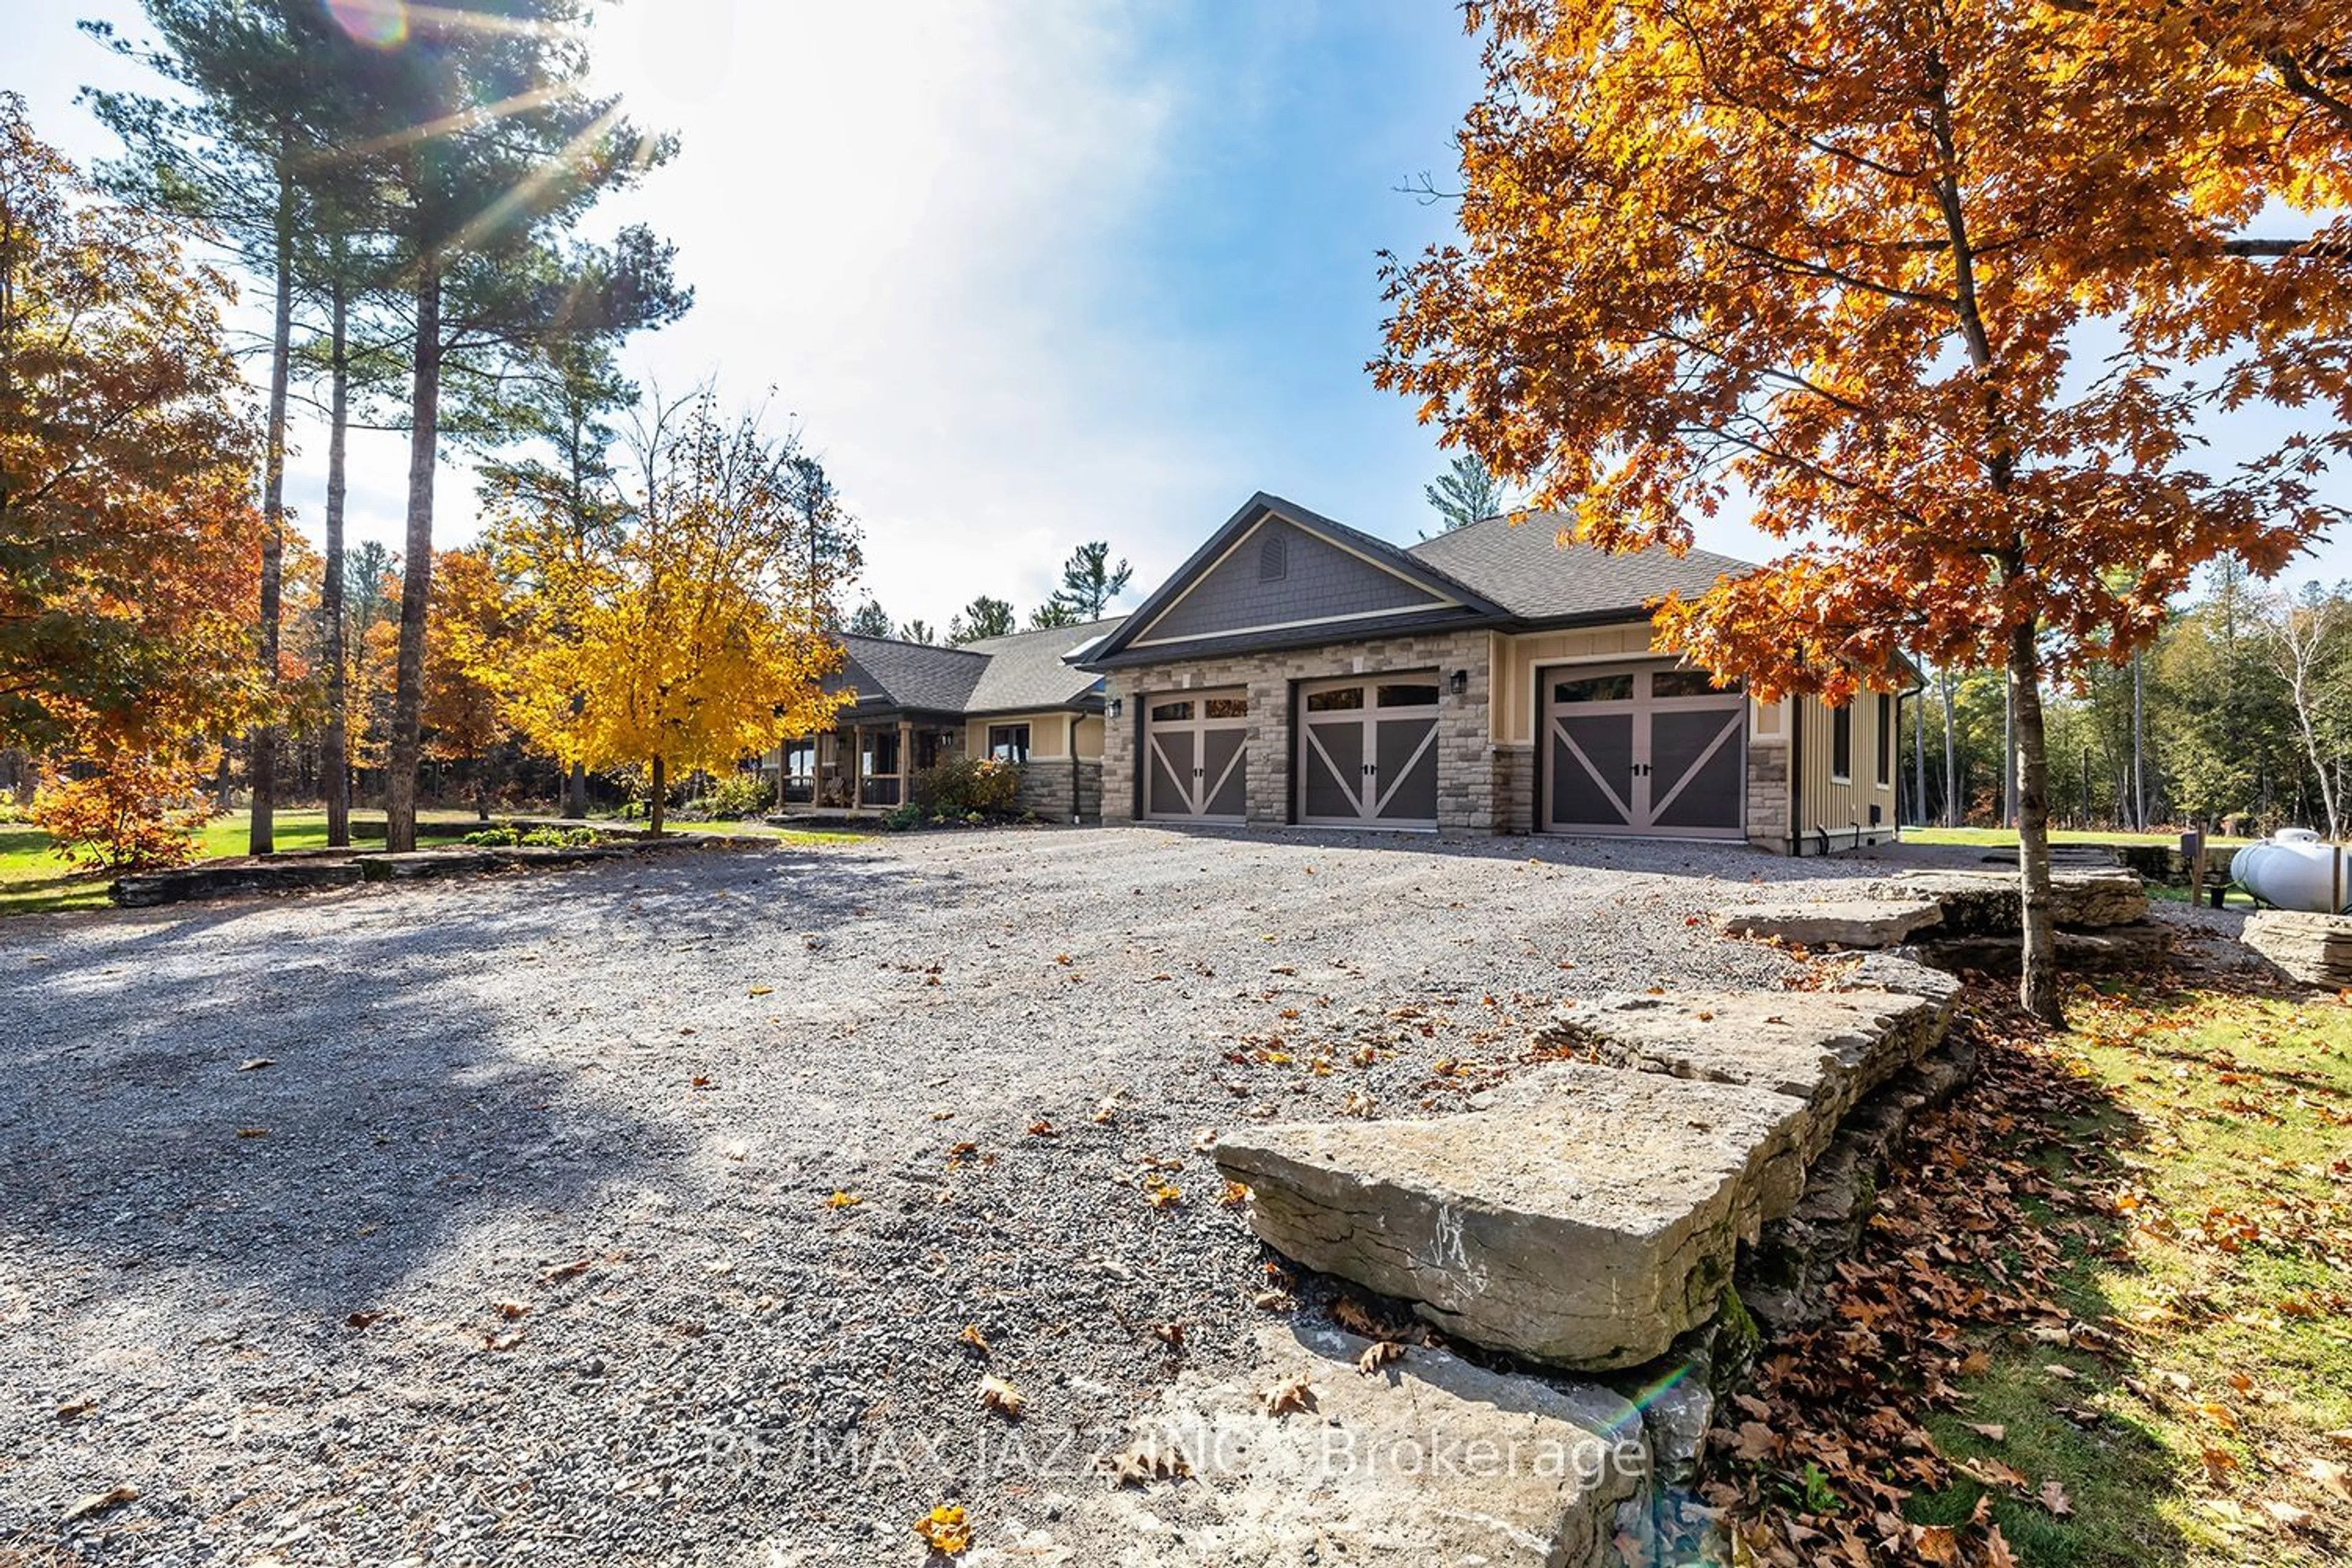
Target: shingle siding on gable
{"points": [[1322, 580]]}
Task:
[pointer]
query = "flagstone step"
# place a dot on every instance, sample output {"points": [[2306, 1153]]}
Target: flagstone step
{"points": [[1989, 903], [1585, 1214], [1832, 922], [2313, 949], [1427, 1459]]}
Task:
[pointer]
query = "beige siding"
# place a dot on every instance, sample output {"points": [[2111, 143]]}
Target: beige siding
{"points": [[1049, 735], [1840, 805], [1515, 661]]}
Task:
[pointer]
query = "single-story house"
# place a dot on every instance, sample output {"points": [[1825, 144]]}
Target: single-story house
{"points": [[1296, 671], [1018, 699]]}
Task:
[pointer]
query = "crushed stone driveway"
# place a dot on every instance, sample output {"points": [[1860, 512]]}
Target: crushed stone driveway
{"points": [[634, 1212]]}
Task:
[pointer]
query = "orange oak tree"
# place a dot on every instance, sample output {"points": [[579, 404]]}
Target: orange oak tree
{"points": [[1947, 295], [129, 547]]}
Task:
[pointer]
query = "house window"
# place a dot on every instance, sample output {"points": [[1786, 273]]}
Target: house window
{"points": [[881, 759], [1008, 742], [1842, 744], [1885, 739], [1274, 559]]}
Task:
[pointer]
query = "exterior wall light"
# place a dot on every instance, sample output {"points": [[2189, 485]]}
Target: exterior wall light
{"points": [[1117, 705], [1458, 682]]}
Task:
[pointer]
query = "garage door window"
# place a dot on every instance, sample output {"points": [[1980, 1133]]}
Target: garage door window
{"points": [[1346, 699], [1687, 683], [1595, 689], [1008, 742], [1226, 707], [1408, 696], [1171, 712]]}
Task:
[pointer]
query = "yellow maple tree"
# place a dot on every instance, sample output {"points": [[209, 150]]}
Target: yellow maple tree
{"points": [[1950, 297], [671, 639]]}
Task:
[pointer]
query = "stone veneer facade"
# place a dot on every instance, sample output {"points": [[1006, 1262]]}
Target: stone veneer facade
{"points": [[1465, 781], [1483, 785]]}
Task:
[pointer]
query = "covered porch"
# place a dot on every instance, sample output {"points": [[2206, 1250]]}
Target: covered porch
{"points": [[866, 762]]}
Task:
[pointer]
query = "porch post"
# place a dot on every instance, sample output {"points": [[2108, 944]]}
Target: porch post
{"points": [[856, 766], [906, 761]]}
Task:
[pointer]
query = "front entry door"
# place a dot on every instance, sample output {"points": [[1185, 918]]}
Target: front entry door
{"points": [[1368, 752], [1649, 748], [1196, 756]]}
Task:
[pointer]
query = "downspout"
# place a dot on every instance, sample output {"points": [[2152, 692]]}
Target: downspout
{"points": [[1072, 745], [1796, 775], [1920, 757]]}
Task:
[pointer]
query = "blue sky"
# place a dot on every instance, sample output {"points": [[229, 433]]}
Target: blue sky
{"points": [[1023, 273]]}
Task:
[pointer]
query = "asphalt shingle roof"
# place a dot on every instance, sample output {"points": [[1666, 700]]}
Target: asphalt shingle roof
{"points": [[1030, 669], [1522, 567], [994, 675], [892, 674]]}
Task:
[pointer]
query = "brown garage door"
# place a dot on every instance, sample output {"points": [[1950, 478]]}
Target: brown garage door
{"points": [[1647, 749], [1196, 756]]}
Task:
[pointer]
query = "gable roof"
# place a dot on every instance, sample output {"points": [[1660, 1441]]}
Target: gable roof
{"points": [[1032, 669], [1374, 589], [885, 672], [1525, 567], [1024, 670]]}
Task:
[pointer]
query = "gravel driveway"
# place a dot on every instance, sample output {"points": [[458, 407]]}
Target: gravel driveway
{"points": [[524, 1244]]}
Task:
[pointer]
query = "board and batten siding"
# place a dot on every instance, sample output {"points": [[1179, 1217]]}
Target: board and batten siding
{"points": [[1049, 734], [1839, 806]]}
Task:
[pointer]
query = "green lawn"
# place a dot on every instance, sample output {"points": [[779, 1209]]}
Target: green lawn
{"points": [[35, 881], [2201, 1414], [2006, 838]]}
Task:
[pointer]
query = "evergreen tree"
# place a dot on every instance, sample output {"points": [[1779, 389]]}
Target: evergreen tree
{"points": [[870, 620], [983, 618], [1466, 492], [919, 632], [1090, 582]]}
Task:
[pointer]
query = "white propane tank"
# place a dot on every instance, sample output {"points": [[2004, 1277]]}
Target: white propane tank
{"points": [[2295, 868]]}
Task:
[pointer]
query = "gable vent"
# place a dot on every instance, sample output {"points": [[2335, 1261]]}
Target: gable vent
{"points": [[1274, 559]]}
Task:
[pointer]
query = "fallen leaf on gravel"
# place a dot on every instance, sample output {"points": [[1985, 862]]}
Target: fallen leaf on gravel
{"points": [[1106, 1111], [361, 1320], [2285, 1513], [78, 1407], [1041, 1128], [943, 1530], [974, 1337], [764, 991], [1142, 1461], [1171, 1334], [2328, 1474], [844, 1200], [1204, 1141], [2053, 1497], [253, 1132], [1291, 1394], [505, 1342], [1378, 1355], [1274, 1300], [256, 1064], [566, 1270], [1001, 1397], [510, 1311], [99, 1502], [1234, 1195], [1163, 1196], [701, 1080]]}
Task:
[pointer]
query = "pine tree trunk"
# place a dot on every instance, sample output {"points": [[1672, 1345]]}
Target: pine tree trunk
{"points": [[416, 575], [659, 798], [337, 743], [262, 838], [2037, 987]]}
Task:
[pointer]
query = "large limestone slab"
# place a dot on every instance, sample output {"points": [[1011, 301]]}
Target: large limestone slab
{"points": [[2140, 944], [226, 879], [1832, 922], [1584, 1220], [1825, 1050], [1428, 1461], [2313, 949], [1989, 903]]}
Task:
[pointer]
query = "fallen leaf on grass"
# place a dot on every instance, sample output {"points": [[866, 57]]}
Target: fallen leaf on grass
{"points": [[2053, 1497], [99, 1502], [1001, 1397], [1991, 1431], [1378, 1354], [1935, 1543], [2286, 1514], [943, 1530], [1291, 1394], [2330, 1474]]}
